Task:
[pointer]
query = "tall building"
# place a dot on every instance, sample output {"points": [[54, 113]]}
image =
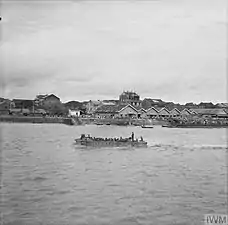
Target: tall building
{"points": [[47, 100], [129, 97]]}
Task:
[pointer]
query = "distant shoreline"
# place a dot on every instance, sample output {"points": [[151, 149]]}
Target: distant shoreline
{"points": [[98, 122], [77, 121], [35, 119]]}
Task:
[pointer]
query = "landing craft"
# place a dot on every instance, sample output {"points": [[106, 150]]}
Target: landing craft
{"points": [[110, 142]]}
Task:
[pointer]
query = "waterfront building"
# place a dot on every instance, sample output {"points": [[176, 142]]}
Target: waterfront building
{"points": [[164, 113], [222, 105], [74, 112], [76, 107], [149, 102], [51, 104], [116, 111], [206, 105], [107, 111], [128, 111], [152, 113], [19, 111], [142, 113], [174, 113], [73, 105], [214, 112], [5, 106], [47, 100], [23, 103], [185, 113], [129, 97]]}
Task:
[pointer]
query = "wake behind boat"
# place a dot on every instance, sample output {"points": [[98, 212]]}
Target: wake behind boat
{"points": [[110, 142]]}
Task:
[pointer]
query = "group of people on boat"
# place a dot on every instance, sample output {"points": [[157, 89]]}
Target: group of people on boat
{"points": [[132, 138]]}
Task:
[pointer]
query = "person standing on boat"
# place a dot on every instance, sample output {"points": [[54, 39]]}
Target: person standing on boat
{"points": [[132, 136]]}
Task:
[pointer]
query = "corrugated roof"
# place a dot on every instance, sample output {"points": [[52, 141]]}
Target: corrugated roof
{"points": [[162, 110], [51, 95], [158, 108], [152, 108], [215, 111], [142, 110], [192, 111], [108, 109], [169, 107], [225, 105], [42, 97], [115, 108], [137, 107], [174, 110], [125, 106], [185, 110], [22, 100]]}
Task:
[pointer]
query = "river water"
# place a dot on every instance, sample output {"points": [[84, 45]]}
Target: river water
{"points": [[46, 179]]}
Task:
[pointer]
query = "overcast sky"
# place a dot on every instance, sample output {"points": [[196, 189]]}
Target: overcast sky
{"points": [[80, 50]]}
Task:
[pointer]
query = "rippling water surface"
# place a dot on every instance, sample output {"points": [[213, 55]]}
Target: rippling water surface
{"points": [[47, 180]]}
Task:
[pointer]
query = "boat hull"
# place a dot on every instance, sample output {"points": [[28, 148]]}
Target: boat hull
{"points": [[104, 143], [145, 126]]}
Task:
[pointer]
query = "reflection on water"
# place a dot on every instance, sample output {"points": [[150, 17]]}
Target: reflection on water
{"points": [[48, 180]]}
